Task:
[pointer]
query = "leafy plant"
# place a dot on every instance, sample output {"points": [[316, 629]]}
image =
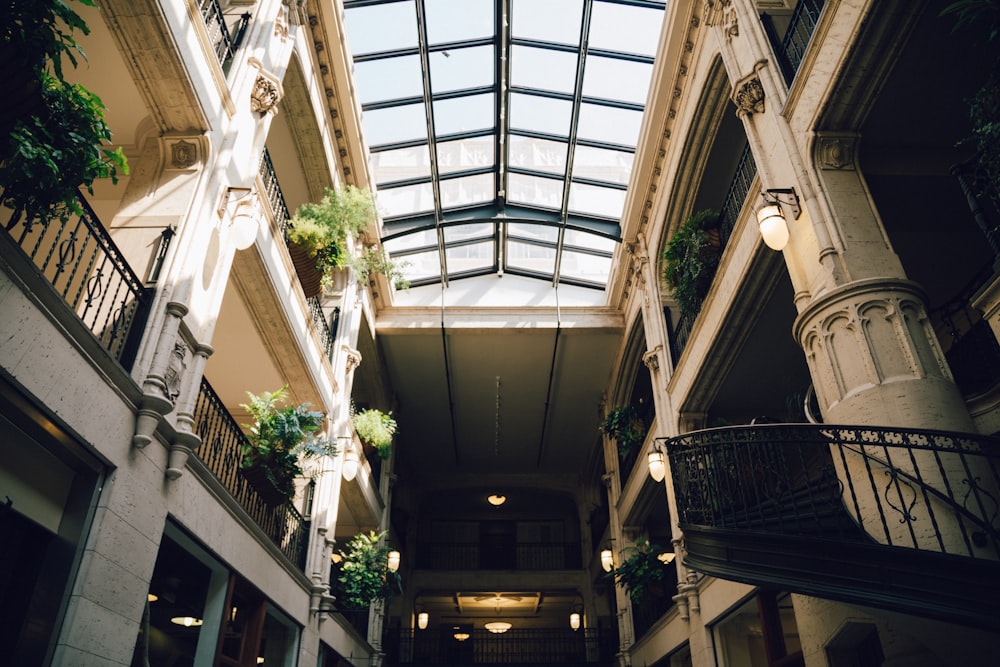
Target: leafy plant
{"points": [[373, 260], [279, 437], [52, 149], [626, 426], [642, 572], [364, 575], [691, 259], [322, 228], [377, 429]]}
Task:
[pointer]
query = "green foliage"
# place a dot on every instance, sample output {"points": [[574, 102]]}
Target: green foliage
{"points": [[57, 146], [691, 259], [373, 260], [377, 429], [322, 228], [364, 577], [641, 571], [278, 438], [626, 426]]}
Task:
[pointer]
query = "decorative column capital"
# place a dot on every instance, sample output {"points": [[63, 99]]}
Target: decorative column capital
{"points": [[749, 97], [267, 91]]}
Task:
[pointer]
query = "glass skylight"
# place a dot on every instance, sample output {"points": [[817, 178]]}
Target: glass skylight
{"points": [[497, 144]]}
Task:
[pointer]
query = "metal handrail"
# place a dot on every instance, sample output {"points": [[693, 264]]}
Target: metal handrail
{"points": [[922, 489], [82, 263], [272, 192], [531, 556], [221, 444], [540, 646], [225, 43], [323, 328], [790, 51]]}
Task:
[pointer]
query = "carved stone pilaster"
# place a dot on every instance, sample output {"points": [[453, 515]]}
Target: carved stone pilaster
{"points": [[749, 97], [186, 441], [156, 393]]}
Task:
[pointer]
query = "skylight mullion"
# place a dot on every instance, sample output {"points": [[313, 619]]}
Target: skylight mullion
{"points": [[461, 44], [502, 34], [541, 44], [452, 175], [621, 55], [599, 183], [616, 104], [413, 143], [552, 176], [403, 182], [387, 104], [646, 4], [594, 143], [384, 55], [464, 92], [541, 92]]}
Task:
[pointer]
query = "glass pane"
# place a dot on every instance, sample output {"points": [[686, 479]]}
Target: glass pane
{"points": [[395, 124], [613, 79], [534, 191], [458, 69], [420, 265], [537, 154], [602, 165], [467, 190], [421, 239], [466, 154], [386, 27], [471, 257], [540, 114], [406, 200], [623, 28], [606, 202], [585, 267], [458, 20], [536, 232], [465, 232], [580, 239], [464, 114], [531, 257], [610, 125], [550, 21], [401, 164], [544, 69], [389, 79]]}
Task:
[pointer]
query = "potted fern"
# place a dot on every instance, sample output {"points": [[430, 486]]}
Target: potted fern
{"points": [[691, 259], [642, 573], [318, 233], [376, 429], [280, 437], [626, 427], [364, 575]]}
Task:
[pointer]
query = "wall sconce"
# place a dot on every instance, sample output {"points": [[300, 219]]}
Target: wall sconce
{"points": [[422, 619], [771, 216], [574, 620], [392, 560], [657, 464], [667, 557], [607, 560], [351, 464]]}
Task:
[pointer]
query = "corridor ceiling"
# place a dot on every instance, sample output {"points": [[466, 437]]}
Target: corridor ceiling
{"points": [[502, 132]]}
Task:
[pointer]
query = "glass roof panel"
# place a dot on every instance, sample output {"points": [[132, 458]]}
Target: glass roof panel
{"points": [[537, 154], [459, 69], [401, 164], [422, 239], [465, 154], [455, 233], [609, 124], [625, 28], [544, 69], [406, 200], [575, 237], [464, 114], [583, 266], [467, 190], [471, 256], [535, 191], [540, 114], [615, 79], [421, 266], [525, 230], [458, 20], [389, 79], [551, 21], [593, 200], [531, 257], [395, 124], [600, 164], [386, 27]]}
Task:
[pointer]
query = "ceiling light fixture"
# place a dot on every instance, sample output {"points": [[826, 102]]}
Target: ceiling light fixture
{"points": [[666, 557], [496, 500], [461, 636], [771, 216], [186, 621], [574, 621], [498, 627], [152, 597], [422, 620], [351, 464], [657, 464]]}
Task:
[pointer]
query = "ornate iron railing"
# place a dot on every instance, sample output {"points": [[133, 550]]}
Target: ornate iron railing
{"points": [[652, 607], [930, 490], [272, 193], [792, 48], [480, 556], [221, 441], [516, 646], [322, 328], [357, 619], [85, 267], [226, 43]]}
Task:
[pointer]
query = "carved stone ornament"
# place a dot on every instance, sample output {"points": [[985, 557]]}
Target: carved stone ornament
{"points": [[281, 24], [652, 358], [265, 95], [835, 152], [714, 10], [175, 370], [749, 98], [183, 154], [730, 22]]}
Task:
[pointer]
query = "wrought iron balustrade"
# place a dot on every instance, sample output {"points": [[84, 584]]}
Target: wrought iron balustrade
{"points": [[791, 49], [530, 556], [357, 619], [920, 489], [82, 263], [220, 450], [514, 647], [272, 193], [226, 43], [322, 328]]}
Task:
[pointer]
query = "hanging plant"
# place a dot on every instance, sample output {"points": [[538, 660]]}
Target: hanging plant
{"points": [[377, 429], [626, 427], [373, 260], [364, 574], [691, 259], [642, 573]]}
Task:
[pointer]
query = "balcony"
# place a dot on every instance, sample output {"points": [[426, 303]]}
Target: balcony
{"points": [[901, 519], [790, 49], [225, 40], [80, 262], [221, 441], [525, 556], [514, 647]]}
